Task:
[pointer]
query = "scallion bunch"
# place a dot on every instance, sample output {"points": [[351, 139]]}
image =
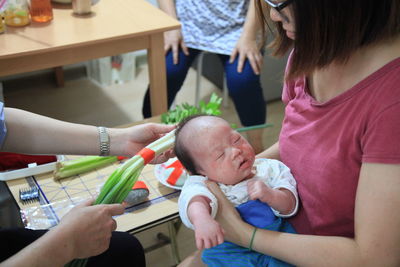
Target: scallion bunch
{"points": [[121, 181]]}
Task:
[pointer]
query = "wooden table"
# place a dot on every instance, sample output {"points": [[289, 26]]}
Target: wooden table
{"points": [[58, 197], [114, 27]]}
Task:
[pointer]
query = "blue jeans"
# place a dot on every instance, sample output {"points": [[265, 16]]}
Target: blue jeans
{"points": [[244, 88]]}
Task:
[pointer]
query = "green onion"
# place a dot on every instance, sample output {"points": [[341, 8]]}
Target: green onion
{"points": [[73, 167], [121, 181]]}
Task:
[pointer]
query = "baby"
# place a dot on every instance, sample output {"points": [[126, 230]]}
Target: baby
{"points": [[263, 190]]}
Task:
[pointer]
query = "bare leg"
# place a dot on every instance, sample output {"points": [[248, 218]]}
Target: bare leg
{"points": [[255, 139], [193, 260]]}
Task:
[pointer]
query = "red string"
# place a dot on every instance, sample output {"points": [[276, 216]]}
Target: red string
{"points": [[147, 154], [176, 173]]}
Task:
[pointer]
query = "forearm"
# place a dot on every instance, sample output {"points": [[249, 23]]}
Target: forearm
{"points": [[271, 153], [168, 6], [312, 250], [51, 250], [199, 210], [35, 134], [252, 24], [303, 250], [306, 250], [31, 133]]}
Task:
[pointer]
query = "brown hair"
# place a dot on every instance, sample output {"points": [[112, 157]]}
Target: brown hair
{"points": [[181, 150], [328, 31]]}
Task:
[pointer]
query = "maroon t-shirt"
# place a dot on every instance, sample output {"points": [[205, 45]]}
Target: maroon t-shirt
{"points": [[324, 145]]}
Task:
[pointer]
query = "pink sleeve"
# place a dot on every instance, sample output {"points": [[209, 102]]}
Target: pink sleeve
{"points": [[381, 141]]}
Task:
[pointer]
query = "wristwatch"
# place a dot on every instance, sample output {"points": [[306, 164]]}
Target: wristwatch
{"points": [[104, 141]]}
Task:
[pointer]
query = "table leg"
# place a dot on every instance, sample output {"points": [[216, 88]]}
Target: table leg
{"points": [[157, 74], [59, 75], [1, 92], [174, 243]]}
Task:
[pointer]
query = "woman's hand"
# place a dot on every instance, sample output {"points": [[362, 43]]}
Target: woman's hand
{"points": [[86, 230], [247, 48], [173, 40], [129, 141], [227, 216]]}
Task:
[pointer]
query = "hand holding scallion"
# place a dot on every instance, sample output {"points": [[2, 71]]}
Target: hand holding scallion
{"points": [[121, 181]]}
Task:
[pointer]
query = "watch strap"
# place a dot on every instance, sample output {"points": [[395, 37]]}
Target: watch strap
{"points": [[104, 139]]}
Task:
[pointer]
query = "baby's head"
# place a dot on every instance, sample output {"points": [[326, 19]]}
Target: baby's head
{"points": [[207, 145]]}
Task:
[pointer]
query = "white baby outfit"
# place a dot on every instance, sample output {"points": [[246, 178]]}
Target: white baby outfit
{"points": [[272, 172]]}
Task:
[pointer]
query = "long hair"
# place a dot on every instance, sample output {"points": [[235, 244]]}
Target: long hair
{"points": [[330, 31]]}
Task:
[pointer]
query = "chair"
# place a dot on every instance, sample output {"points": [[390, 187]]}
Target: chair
{"points": [[199, 67]]}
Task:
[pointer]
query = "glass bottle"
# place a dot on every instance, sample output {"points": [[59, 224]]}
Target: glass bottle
{"points": [[41, 10], [3, 4], [17, 13], [2, 25]]}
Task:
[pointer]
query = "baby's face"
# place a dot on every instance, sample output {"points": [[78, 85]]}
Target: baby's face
{"points": [[221, 153]]}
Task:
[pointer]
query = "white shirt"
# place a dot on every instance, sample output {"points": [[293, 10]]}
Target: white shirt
{"points": [[272, 172]]}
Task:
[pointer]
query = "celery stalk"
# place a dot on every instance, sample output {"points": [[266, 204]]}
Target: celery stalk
{"points": [[82, 166], [121, 181], [80, 161]]}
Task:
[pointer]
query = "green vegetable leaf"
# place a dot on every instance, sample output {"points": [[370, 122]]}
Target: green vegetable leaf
{"points": [[184, 110]]}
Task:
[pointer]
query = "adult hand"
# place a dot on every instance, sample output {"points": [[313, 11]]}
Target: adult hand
{"points": [[247, 48], [227, 216], [129, 141], [86, 230], [173, 40]]}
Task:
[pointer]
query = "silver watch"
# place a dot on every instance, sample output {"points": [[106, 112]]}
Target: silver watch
{"points": [[104, 141]]}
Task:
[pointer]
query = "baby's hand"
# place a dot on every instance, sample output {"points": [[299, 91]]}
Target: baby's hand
{"points": [[208, 234], [259, 190]]}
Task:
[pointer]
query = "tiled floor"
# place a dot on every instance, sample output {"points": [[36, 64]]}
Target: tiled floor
{"points": [[83, 101]]}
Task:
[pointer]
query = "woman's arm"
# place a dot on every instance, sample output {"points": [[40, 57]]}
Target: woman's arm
{"points": [[270, 153], [377, 227], [247, 46], [35, 134], [172, 39], [168, 6]]}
